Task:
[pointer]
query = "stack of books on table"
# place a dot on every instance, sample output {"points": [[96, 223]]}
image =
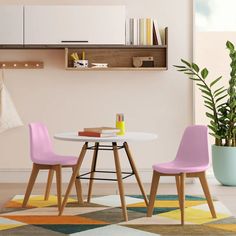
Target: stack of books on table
{"points": [[99, 132]]}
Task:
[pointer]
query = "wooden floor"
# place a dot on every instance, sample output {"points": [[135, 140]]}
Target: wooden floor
{"points": [[225, 194]]}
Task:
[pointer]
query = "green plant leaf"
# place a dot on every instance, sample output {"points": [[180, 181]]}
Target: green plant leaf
{"points": [[213, 124], [218, 99], [209, 115], [217, 90], [209, 107], [202, 86], [208, 98], [232, 104], [206, 92], [195, 79], [220, 105], [212, 128], [204, 73], [220, 92], [181, 67], [215, 81], [181, 70], [195, 67], [229, 45], [186, 63], [209, 103], [215, 135]]}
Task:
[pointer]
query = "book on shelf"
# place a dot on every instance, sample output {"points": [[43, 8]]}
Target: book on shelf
{"points": [[127, 32], [149, 31], [132, 31], [102, 130], [135, 31], [157, 32], [143, 31], [96, 134], [154, 40]]}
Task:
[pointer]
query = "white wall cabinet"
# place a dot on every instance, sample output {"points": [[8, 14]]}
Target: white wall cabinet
{"points": [[74, 25], [11, 24]]}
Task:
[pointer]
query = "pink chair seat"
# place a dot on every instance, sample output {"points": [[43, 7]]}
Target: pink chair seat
{"points": [[54, 159], [175, 167]]}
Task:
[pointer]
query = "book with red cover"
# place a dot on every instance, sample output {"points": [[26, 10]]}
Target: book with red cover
{"points": [[102, 130], [95, 134]]}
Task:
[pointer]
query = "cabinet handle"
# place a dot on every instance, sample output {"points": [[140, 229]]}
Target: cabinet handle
{"points": [[74, 41]]}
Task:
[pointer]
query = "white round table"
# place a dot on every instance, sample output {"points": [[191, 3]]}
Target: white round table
{"points": [[115, 143], [129, 136]]}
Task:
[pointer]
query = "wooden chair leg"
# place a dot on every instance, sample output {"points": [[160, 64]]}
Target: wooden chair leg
{"points": [[202, 177], [49, 184], [153, 192], [30, 185], [58, 178], [120, 182], [93, 168], [182, 196], [78, 188], [178, 188]]}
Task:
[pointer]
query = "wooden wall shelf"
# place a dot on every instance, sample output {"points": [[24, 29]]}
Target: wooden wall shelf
{"points": [[119, 57], [118, 69]]}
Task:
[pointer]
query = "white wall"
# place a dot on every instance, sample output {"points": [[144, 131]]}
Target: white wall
{"points": [[211, 52], [159, 102]]}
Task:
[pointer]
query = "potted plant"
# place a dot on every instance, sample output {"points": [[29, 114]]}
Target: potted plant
{"points": [[221, 105]]}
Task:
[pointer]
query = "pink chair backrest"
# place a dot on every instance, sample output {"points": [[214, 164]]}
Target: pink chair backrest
{"points": [[40, 142], [194, 146]]}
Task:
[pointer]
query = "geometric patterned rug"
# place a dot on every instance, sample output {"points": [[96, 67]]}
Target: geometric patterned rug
{"points": [[103, 216]]}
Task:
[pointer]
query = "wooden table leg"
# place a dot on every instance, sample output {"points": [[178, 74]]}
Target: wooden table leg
{"points": [[119, 179], [78, 188], [74, 175], [131, 161], [93, 168]]}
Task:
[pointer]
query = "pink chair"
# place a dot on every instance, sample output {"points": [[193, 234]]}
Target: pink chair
{"points": [[192, 160], [43, 157]]}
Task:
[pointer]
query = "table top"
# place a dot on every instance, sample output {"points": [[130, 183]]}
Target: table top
{"points": [[129, 136]]}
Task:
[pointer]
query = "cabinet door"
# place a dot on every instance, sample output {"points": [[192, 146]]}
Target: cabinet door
{"points": [[74, 24], [11, 24]]}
